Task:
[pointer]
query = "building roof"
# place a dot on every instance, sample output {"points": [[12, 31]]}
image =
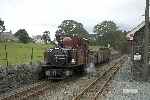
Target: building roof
{"points": [[8, 36], [131, 34]]}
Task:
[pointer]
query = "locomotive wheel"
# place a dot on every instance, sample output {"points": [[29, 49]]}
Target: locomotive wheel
{"points": [[79, 70]]}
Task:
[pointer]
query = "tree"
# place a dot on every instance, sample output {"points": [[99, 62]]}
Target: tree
{"points": [[121, 43], [46, 36], [22, 35], [105, 27], [106, 32], [71, 27], [2, 27]]}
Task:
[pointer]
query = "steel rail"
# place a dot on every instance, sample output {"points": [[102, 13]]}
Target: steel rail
{"points": [[108, 80], [25, 93], [115, 66]]}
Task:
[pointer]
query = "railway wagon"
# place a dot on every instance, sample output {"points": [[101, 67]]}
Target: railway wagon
{"points": [[136, 43], [100, 55], [103, 55], [71, 58]]}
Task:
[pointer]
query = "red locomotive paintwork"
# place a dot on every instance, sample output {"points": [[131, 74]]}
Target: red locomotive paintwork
{"points": [[74, 42], [67, 42], [80, 47]]}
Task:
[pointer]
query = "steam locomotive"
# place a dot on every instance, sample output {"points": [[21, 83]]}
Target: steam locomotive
{"points": [[71, 57]]}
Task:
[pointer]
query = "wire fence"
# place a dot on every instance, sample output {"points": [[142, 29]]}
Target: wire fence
{"points": [[19, 54], [5, 59]]}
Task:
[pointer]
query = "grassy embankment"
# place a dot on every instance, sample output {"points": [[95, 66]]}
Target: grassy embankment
{"points": [[19, 53]]}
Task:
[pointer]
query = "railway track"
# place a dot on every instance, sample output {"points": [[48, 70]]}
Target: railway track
{"points": [[27, 92], [92, 91]]}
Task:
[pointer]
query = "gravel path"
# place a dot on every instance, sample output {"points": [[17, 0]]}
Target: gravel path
{"points": [[124, 88]]}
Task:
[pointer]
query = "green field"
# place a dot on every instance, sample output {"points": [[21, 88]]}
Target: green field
{"points": [[19, 53]]}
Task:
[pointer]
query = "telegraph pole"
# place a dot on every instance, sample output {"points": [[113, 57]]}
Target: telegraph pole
{"points": [[146, 41]]}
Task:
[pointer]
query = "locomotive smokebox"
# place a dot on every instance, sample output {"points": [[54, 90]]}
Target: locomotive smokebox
{"points": [[57, 56]]}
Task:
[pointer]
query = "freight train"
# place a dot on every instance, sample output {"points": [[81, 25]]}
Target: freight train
{"points": [[71, 57]]}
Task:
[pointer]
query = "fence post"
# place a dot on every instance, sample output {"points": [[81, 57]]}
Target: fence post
{"points": [[7, 57], [6, 54], [31, 55]]}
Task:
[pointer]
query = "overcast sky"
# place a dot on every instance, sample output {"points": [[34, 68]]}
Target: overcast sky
{"points": [[36, 16]]}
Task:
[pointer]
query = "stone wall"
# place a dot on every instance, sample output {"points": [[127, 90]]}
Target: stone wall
{"points": [[15, 76]]}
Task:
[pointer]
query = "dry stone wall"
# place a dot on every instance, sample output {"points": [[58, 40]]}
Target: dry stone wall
{"points": [[15, 76]]}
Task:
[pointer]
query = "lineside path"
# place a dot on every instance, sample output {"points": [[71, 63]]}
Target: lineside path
{"points": [[93, 90], [123, 87]]}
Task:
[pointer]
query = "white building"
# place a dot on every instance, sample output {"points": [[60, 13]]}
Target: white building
{"points": [[38, 39], [8, 36]]}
